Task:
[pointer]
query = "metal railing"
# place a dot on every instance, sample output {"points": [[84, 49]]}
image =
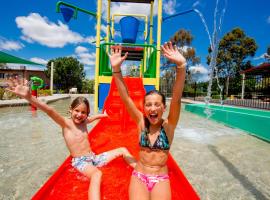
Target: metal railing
{"points": [[256, 93]]}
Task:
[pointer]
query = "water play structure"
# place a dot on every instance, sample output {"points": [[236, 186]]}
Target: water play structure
{"points": [[36, 83], [119, 129]]}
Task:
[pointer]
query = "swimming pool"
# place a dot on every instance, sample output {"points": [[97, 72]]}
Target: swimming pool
{"points": [[220, 162], [254, 121]]}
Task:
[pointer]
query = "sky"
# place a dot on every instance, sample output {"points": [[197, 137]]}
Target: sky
{"points": [[32, 29]]}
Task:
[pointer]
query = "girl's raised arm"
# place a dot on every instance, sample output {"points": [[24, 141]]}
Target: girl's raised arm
{"points": [[97, 116], [174, 56], [116, 61], [17, 87]]}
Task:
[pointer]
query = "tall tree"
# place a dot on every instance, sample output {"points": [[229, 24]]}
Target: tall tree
{"points": [[68, 73], [2, 65], [183, 40], [234, 49], [88, 86]]}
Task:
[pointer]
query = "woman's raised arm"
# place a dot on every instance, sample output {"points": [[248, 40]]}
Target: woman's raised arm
{"points": [[116, 61], [171, 52]]}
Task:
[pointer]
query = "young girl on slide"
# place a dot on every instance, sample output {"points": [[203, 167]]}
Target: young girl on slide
{"points": [[75, 134], [150, 178]]}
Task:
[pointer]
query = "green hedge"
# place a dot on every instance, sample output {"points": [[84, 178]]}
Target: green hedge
{"points": [[2, 92]]}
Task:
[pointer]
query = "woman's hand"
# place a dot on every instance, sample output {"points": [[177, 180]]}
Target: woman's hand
{"points": [[19, 87], [116, 59], [171, 52]]}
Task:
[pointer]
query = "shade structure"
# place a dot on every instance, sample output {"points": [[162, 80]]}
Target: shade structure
{"points": [[261, 69], [7, 58]]}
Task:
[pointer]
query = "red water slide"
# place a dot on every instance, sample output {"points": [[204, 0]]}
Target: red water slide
{"points": [[117, 131]]}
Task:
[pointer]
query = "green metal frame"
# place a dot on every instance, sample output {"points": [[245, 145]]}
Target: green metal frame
{"points": [[150, 53], [59, 3]]}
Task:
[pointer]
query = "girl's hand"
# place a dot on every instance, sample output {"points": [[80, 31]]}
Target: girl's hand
{"points": [[171, 52], [105, 113], [19, 87], [116, 59]]}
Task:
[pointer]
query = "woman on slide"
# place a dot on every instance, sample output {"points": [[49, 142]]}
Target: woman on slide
{"points": [[150, 178]]}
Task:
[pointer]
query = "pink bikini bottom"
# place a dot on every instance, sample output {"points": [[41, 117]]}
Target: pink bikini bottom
{"points": [[150, 180]]}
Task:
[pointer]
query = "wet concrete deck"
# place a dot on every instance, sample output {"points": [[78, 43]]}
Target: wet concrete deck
{"points": [[23, 102]]}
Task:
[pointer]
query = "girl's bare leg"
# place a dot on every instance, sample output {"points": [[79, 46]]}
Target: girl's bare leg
{"points": [[122, 151], [94, 174]]}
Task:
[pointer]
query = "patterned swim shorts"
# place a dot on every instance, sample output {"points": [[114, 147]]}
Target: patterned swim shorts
{"points": [[90, 159]]}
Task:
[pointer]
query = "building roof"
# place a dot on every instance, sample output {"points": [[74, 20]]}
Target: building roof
{"points": [[258, 70], [7, 58], [20, 69]]}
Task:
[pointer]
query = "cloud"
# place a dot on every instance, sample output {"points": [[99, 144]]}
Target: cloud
{"points": [[84, 56], [39, 60], [169, 7], [127, 8], [10, 45], [80, 49], [90, 40], [268, 20], [199, 72], [195, 4], [183, 48], [89, 72], [87, 59], [263, 56], [103, 28], [199, 68], [138, 8], [39, 29]]}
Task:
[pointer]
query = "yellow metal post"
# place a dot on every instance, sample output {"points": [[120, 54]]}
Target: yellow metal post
{"points": [[159, 21], [108, 20], [99, 5], [112, 29], [151, 23]]}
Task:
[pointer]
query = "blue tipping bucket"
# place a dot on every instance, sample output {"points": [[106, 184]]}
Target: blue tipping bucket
{"points": [[129, 29], [67, 13]]}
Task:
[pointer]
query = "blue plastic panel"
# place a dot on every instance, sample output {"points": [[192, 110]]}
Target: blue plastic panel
{"points": [[149, 88], [103, 91]]}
